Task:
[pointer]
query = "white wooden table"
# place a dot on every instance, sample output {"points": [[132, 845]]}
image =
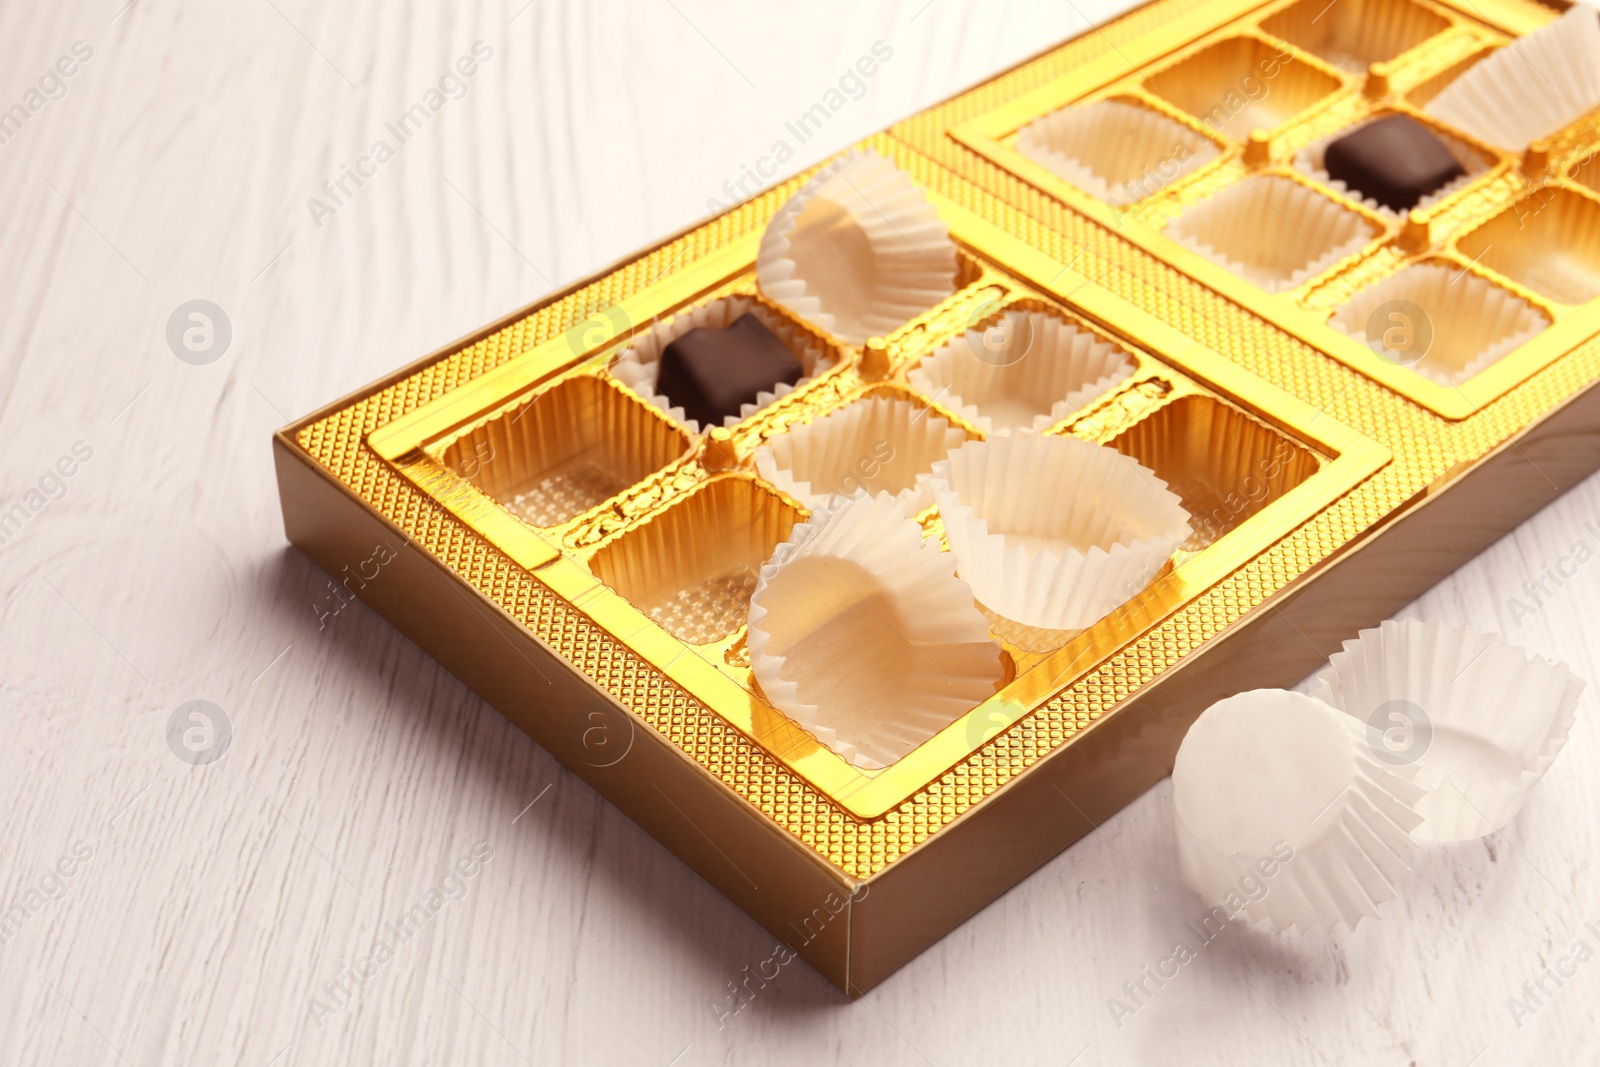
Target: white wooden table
{"points": [[210, 912]]}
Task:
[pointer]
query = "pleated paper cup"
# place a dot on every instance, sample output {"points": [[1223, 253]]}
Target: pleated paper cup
{"points": [[879, 444], [1312, 162], [1533, 87], [639, 366], [1443, 322], [1114, 151], [858, 251], [861, 632], [1055, 532], [1029, 370], [1272, 231], [1480, 720], [1283, 814]]}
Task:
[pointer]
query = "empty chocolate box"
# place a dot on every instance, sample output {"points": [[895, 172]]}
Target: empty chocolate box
{"points": [[1347, 394]]}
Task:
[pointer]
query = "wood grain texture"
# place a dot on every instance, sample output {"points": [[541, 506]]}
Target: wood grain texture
{"points": [[217, 901]]}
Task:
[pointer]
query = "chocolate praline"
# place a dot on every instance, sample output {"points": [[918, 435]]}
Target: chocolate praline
{"points": [[1396, 161], [712, 373]]}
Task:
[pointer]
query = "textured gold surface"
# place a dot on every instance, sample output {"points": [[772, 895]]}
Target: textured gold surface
{"points": [[1031, 242]]}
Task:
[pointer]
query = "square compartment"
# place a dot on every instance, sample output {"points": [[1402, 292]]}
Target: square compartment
{"points": [[1352, 34], [1311, 161], [1224, 465], [566, 450], [1439, 319], [1423, 93], [1024, 367], [884, 442], [1242, 84], [1272, 231], [1549, 241], [693, 566], [1118, 151]]}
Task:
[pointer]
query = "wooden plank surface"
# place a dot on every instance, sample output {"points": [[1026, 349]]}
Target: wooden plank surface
{"points": [[210, 913]]}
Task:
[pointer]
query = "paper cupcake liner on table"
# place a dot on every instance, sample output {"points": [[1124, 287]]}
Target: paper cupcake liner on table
{"points": [[858, 251], [861, 632], [1310, 161], [1114, 151], [1028, 371], [879, 444], [1055, 532], [1283, 814], [1479, 720], [1531, 88], [1467, 322], [640, 364], [1272, 231]]}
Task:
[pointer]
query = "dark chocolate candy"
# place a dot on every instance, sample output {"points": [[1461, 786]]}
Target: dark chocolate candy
{"points": [[1396, 161], [710, 373]]}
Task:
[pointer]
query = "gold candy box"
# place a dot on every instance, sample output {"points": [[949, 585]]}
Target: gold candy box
{"points": [[583, 559]]}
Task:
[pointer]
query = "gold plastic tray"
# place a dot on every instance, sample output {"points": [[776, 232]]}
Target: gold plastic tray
{"points": [[583, 562]]}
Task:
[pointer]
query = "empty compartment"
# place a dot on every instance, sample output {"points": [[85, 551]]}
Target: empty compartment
{"points": [[565, 450], [1272, 231], [1223, 464], [1242, 84], [1023, 368], [1422, 93], [1352, 34], [1549, 241], [1115, 150], [693, 566], [885, 443], [1442, 321]]}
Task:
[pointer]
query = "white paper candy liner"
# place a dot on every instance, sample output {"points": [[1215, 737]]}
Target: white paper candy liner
{"points": [[1114, 151], [1029, 371], [1055, 532], [1479, 719], [1283, 814], [858, 251], [1473, 322], [879, 444], [640, 364], [1272, 231], [1310, 162], [1531, 88], [861, 632]]}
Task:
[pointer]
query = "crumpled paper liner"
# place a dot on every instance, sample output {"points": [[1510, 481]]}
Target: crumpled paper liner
{"points": [[1283, 814], [1272, 231], [1310, 162], [1029, 373], [1482, 720], [861, 632], [1114, 151], [1055, 532], [1531, 88], [858, 251], [639, 365], [879, 444], [1474, 321]]}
